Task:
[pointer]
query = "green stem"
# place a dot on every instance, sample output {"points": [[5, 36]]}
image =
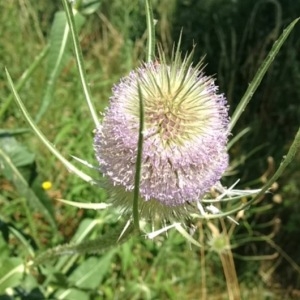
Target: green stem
{"points": [[138, 164], [150, 31], [79, 61], [98, 245]]}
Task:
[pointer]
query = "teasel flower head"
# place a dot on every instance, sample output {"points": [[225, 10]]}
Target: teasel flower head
{"points": [[184, 137]]}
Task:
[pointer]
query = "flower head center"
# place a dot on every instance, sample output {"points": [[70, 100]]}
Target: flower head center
{"points": [[164, 114]]}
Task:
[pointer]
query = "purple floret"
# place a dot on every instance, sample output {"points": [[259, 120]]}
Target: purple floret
{"points": [[185, 134]]}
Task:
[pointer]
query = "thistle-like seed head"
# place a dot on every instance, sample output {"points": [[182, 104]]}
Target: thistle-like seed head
{"points": [[184, 138]]}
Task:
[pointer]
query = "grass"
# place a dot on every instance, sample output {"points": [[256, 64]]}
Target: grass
{"points": [[165, 268]]}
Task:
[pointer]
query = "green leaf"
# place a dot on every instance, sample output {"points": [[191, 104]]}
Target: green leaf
{"points": [[12, 173], [260, 74], [88, 275], [18, 153], [11, 273], [91, 272], [86, 226], [59, 54]]}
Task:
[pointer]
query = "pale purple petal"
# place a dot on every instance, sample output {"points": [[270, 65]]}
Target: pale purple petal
{"points": [[185, 136]]}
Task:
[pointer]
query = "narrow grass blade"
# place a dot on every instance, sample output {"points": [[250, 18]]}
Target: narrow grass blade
{"points": [[24, 77], [42, 137], [260, 74], [237, 137], [79, 60], [22, 239], [59, 53]]}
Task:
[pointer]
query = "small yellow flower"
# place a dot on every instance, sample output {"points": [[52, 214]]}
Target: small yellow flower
{"points": [[47, 185]]}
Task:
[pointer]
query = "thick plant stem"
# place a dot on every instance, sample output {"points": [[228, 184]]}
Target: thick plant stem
{"points": [[138, 164], [150, 31], [230, 275]]}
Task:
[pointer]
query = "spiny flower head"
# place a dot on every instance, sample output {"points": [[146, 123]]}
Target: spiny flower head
{"points": [[184, 138]]}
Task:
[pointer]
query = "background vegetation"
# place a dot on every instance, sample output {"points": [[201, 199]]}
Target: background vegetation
{"points": [[235, 36]]}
